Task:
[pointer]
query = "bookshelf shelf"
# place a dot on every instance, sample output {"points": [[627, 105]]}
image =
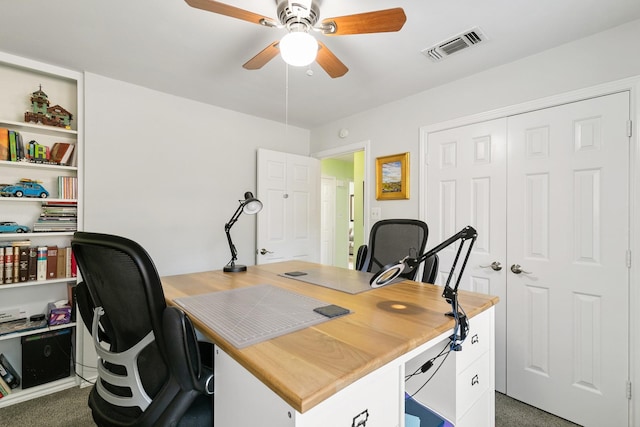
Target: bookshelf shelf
{"points": [[6, 163], [33, 200], [38, 283], [36, 331], [19, 78], [35, 128]]}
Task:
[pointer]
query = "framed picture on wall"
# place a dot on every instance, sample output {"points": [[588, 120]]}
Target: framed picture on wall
{"points": [[392, 177]]}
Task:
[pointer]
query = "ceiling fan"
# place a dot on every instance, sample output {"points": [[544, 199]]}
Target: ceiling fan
{"points": [[299, 17]]}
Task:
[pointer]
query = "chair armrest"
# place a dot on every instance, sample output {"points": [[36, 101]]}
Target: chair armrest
{"points": [[183, 353], [361, 256]]}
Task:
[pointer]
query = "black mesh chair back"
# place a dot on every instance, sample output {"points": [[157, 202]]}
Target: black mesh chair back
{"points": [[390, 241], [149, 368]]}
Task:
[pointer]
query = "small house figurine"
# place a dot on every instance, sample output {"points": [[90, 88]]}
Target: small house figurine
{"points": [[42, 113]]}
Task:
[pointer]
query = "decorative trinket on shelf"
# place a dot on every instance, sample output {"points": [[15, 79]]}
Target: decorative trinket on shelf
{"points": [[25, 188], [42, 113]]}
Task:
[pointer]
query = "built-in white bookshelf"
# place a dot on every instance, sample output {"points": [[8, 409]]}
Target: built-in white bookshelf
{"points": [[19, 78]]}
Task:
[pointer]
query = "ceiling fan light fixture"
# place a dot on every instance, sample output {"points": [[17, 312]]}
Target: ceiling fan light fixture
{"points": [[298, 48]]}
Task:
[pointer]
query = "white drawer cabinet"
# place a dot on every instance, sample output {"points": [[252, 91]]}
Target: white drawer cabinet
{"points": [[462, 389], [471, 383]]}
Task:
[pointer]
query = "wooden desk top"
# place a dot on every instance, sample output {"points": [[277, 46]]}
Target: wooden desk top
{"points": [[308, 366]]}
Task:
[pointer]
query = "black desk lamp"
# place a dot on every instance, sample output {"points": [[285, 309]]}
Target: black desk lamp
{"points": [[391, 271], [250, 206]]}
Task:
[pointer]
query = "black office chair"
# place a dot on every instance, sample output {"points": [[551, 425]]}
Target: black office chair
{"points": [[150, 371], [391, 240], [430, 269]]}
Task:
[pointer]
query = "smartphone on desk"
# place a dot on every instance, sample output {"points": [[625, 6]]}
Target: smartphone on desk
{"points": [[295, 273], [331, 310]]}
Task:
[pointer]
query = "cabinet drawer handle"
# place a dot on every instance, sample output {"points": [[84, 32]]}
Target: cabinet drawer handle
{"points": [[475, 380], [474, 339]]}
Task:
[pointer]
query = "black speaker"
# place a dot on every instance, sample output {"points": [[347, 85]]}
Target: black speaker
{"points": [[46, 357]]}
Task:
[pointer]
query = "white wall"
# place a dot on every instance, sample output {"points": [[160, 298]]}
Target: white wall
{"points": [[394, 128], [168, 172]]}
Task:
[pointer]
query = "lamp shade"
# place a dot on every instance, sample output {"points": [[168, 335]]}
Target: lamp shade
{"points": [[298, 48], [251, 205]]}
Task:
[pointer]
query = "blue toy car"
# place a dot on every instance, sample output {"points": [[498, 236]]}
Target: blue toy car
{"points": [[12, 227], [26, 188]]}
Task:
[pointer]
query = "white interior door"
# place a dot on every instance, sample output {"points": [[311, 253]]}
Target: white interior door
{"points": [[466, 185], [288, 227], [568, 228]]}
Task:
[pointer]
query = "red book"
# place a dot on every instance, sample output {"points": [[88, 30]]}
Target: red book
{"points": [[74, 267]]}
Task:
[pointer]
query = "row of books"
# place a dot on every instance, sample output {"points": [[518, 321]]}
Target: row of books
{"points": [[60, 216], [14, 149], [9, 378], [67, 187], [22, 262]]}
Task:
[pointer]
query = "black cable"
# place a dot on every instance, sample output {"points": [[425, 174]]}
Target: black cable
{"points": [[429, 363], [72, 356], [434, 373]]}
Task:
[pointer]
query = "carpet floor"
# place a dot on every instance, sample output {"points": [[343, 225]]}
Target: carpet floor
{"points": [[69, 408]]}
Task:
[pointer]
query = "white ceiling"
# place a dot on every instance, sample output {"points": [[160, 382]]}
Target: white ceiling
{"points": [[170, 47]]}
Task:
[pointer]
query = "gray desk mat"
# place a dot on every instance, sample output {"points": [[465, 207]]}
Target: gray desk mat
{"points": [[246, 316], [340, 279]]}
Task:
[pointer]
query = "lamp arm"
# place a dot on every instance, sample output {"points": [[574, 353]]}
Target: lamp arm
{"points": [[391, 271], [227, 229], [467, 233]]}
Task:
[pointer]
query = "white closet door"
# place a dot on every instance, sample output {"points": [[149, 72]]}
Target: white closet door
{"points": [[568, 229], [466, 185]]}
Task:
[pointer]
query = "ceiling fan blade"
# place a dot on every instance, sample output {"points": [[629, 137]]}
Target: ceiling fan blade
{"points": [[380, 21], [232, 11], [266, 55], [330, 63]]}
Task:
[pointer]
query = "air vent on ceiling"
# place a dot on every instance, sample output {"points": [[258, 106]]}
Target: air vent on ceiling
{"points": [[454, 44]]}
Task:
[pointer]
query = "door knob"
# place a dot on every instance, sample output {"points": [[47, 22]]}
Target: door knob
{"points": [[495, 266], [517, 269], [263, 251]]}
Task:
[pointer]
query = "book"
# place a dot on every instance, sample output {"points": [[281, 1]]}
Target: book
{"points": [[13, 147], [20, 146], [4, 144], [4, 387], [61, 263], [1, 265], [74, 266], [10, 376], [67, 187], [33, 263], [52, 262], [16, 263], [8, 264], [23, 263], [68, 256], [41, 269], [61, 153]]}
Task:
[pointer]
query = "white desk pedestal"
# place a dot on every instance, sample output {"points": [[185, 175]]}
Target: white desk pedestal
{"points": [[462, 391]]}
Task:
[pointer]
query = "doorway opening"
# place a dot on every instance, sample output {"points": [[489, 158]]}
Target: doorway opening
{"points": [[344, 202]]}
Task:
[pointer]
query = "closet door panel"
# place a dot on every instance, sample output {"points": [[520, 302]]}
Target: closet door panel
{"points": [[466, 185], [567, 228]]}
